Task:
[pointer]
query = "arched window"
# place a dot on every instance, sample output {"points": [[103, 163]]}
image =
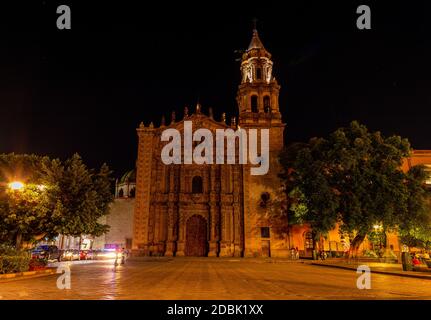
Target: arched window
{"points": [[121, 193], [266, 104], [254, 107], [258, 73], [197, 185], [132, 192]]}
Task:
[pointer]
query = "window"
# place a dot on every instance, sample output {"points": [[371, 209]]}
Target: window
{"points": [[309, 240], [132, 193], [121, 193], [266, 104], [254, 104], [197, 186], [264, 198], [264, 232], [258, 73], [428, 170]]}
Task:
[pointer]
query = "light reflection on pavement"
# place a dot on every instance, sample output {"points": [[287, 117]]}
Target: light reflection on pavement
{"points": [[211, 278]]}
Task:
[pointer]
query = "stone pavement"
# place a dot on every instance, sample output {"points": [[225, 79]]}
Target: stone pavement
{"points": [[213, 278], [395, 269]]}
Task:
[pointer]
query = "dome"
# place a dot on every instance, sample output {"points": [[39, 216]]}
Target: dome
{"points": [[129, 176]]}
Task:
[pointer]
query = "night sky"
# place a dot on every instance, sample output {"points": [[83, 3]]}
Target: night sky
{"points": [[86, 90]]}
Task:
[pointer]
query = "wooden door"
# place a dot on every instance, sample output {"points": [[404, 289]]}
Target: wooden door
{"points": [[266, 251], [196, 236]]}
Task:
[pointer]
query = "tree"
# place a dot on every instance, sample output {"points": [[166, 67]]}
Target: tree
{"points": [[23, 212], [415, 229], [354, 178], [66, 198], [81, 197]]}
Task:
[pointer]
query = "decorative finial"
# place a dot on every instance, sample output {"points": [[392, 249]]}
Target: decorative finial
{"points": [[173, 117], [142, 125], [151, 125], [198, 108], [210, 112], [186, 112], [163, 122], [233, 121], [223, 117]]}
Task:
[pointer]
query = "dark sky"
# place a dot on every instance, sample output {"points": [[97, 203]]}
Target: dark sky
{"points": [[85, 90]]}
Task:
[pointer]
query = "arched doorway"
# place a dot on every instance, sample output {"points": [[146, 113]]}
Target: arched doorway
{"points": [[196, 236]]}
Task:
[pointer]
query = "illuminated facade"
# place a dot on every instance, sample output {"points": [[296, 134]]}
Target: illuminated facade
{"points": [[211, 209], [217, 210]]}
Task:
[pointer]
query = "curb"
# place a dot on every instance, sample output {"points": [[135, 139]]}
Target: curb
{"points": [[376, 271], [26, 274]]}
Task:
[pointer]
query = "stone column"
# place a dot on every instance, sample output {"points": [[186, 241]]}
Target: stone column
{"points": [[181, 234], [237, 213], [238, 248], [214, 230], [214, 248], [170, 245], [226, 244]]}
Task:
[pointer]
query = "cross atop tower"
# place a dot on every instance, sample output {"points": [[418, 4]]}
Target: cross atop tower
{"points": [[254, 23]]}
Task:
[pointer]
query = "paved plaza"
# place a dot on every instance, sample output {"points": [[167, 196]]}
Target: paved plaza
{"points": [[213, 278]]}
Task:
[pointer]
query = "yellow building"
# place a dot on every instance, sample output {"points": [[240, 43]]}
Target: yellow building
{"points": [[301, 237]]}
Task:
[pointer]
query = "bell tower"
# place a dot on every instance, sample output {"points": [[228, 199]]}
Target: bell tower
{"points": [[257, 95]]}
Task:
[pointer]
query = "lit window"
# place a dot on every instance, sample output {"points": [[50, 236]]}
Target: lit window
{"points": [[428, 170], [309, 244]]}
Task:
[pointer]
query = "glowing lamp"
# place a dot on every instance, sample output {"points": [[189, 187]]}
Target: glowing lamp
{"points": [[16, 185]]}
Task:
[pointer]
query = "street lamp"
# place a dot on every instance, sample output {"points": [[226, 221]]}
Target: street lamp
{"points": [[16, 185]]}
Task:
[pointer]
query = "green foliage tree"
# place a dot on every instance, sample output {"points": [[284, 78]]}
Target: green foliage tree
{"points": [[415, 228], [57, 197], [81, 196], [22, 212], [354, 178]]}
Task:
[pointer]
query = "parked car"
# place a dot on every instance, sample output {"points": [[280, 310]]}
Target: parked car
{"points": [[50, 253], [86, 255], [70, 255]]}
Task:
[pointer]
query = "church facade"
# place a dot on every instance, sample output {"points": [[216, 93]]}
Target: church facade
{"points": [[219, 209], [212, 209]]}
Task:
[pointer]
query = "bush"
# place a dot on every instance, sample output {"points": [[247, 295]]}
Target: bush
{"points": [[12, 264], [37, 264], [12, 260], [370, 254]]}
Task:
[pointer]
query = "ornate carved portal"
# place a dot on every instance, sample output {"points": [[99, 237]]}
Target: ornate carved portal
{"points": [[196, 236]]}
